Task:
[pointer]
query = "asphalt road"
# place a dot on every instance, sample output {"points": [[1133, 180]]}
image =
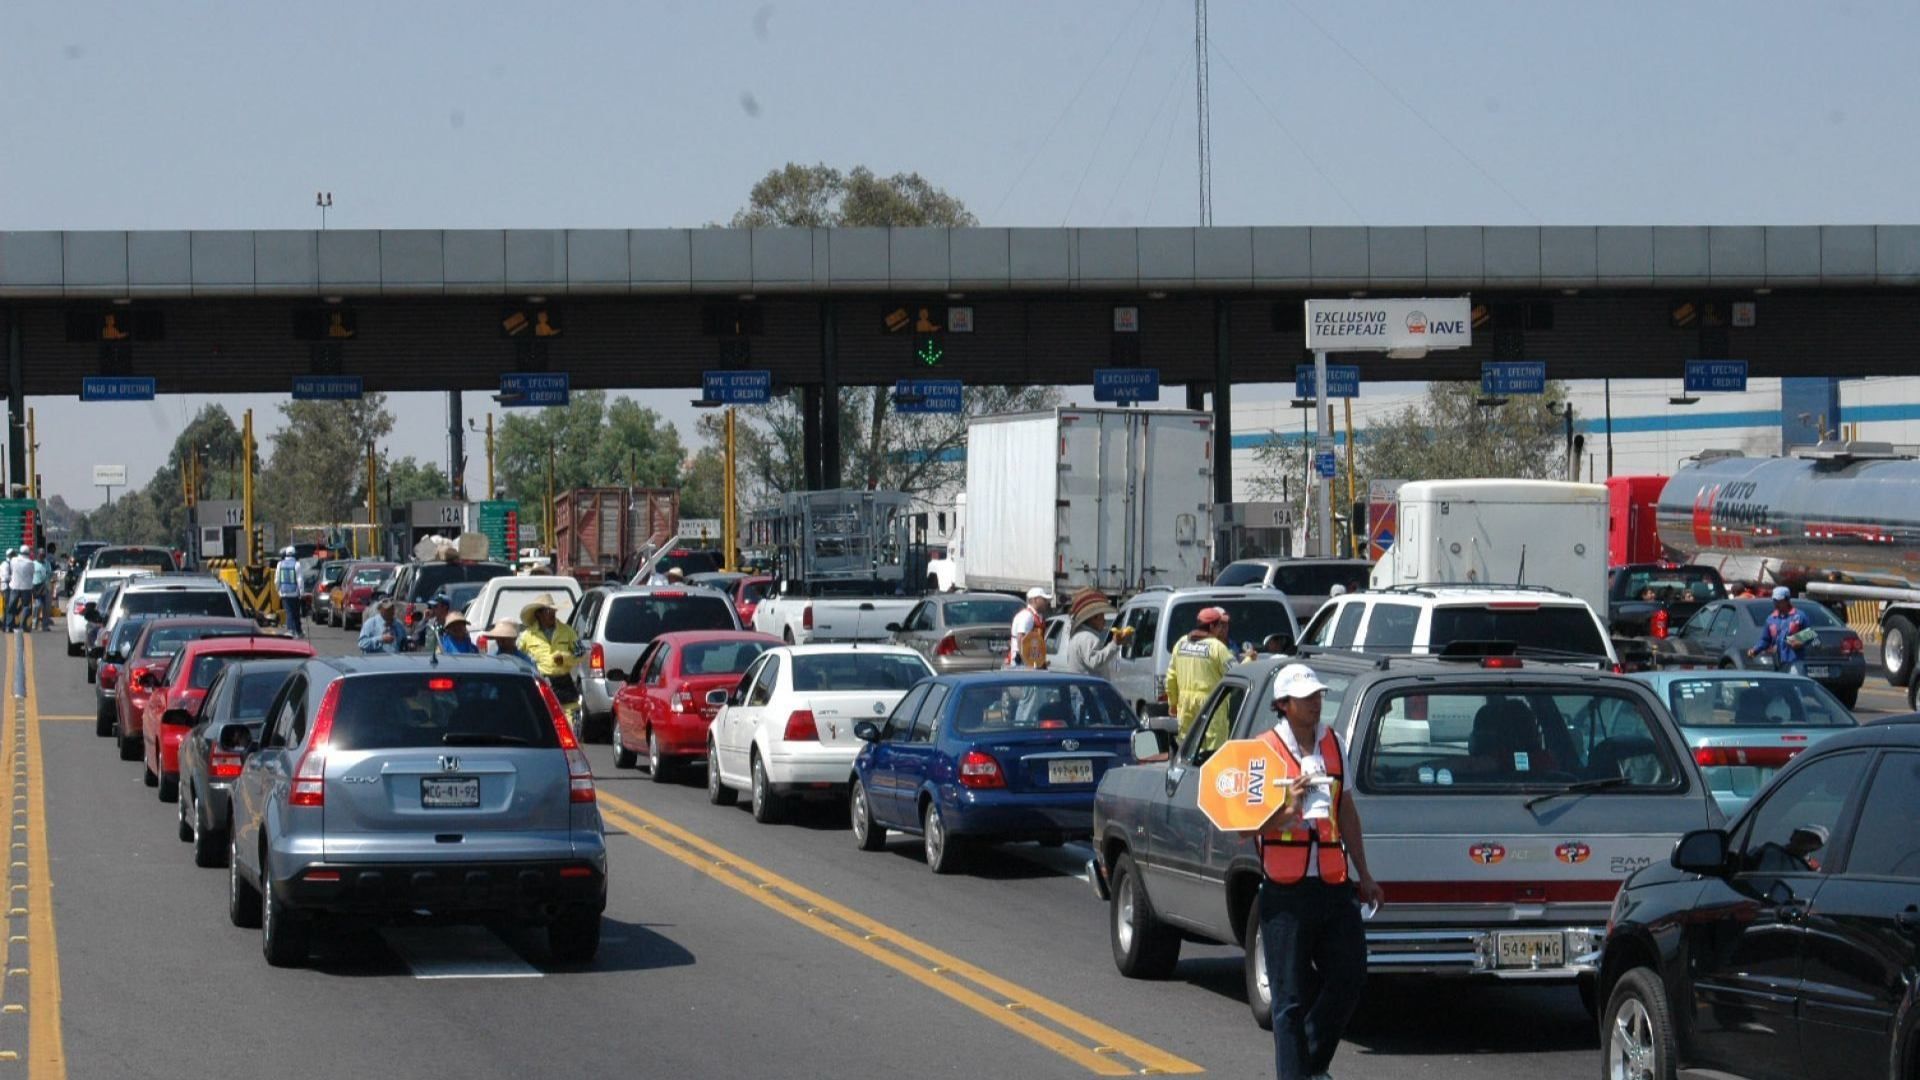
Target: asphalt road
{"points": [[730, 948]]}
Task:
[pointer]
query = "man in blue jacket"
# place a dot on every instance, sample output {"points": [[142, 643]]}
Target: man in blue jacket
{"points": [[1776, 637]]}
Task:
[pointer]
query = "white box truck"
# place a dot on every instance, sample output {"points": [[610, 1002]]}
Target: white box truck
{"points": [[1500, 532], [1108, 497]]}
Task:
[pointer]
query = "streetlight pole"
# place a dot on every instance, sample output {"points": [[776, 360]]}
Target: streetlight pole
{"points": [[323, 200]]}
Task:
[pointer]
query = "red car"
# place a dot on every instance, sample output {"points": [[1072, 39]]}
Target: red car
{"points": [[356, 590], [146, 665], [747, 593], [663, 707], [174, 706]]}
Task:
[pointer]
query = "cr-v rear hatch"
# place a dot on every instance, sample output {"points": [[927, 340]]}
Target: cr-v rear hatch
{"points": [[444, 765]]}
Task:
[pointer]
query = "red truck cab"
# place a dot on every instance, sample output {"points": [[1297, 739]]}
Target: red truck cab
{"points": [[1633, 534], [661, 710], [173, 707]]}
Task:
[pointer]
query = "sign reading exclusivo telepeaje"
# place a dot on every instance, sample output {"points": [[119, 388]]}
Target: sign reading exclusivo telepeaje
{"points": [[1368, 325]]}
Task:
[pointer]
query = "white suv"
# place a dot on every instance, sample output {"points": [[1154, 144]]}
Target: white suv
{"points": [[1542, 623]]}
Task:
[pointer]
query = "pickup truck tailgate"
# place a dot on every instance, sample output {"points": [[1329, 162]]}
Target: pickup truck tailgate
{"points": [[857, 619]]}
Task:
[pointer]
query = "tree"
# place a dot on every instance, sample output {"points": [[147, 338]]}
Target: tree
{"points": [[596, 443], [879, 449], [405, 480], [1449, 435], [317, 474]]}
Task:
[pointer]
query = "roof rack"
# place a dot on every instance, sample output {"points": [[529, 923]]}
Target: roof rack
{"points": [[1494, 586]]}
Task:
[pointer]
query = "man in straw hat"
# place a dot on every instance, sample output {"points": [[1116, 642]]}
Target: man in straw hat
{"points": [[1088, 652], [553, 647], [503, 641], [454, 639]]}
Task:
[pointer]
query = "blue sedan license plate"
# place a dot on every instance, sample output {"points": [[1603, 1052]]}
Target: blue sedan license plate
{"points": [[1819, 672], [452, 793], [1078, 771]]}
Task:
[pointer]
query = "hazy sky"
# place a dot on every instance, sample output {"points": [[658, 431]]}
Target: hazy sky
{"points": [[480, 114]]}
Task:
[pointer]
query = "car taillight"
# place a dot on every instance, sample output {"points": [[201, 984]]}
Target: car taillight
{"points": [[980, 770], [109, 674], [800, 727], [1763, 756], [806, 617], [681, 701], [1660, 623], [310, 776], [579, 769], [947, 646], [223, 766], [1850, 645], [597, 660]]}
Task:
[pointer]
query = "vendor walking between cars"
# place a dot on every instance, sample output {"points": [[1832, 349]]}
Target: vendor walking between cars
{"points": [[1310, 922], [553, 647], [286, 582], [19, 575], [1785, 624], [1026, 622], [378, 634], [1199, 662], [1088, 651]]}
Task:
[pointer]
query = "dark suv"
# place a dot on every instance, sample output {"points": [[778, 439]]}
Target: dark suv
{"points": [[1788, 944], [415, 583]]}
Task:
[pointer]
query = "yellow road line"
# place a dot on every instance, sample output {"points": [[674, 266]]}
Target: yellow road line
{"points": [[66, 716], [1004, 1002], [46, 1045]]}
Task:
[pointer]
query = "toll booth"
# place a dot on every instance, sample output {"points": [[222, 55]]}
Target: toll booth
{"points": [[435, 517], [1252, 530], [219, 527]]}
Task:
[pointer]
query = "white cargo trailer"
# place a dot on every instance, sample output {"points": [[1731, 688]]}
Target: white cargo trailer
{"points": [[1108, 497], [1500, 532]]}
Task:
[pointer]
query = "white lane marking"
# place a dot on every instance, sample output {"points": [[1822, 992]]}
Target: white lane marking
{"points": [[456, 952]]}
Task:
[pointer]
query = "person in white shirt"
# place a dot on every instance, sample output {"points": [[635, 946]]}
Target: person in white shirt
{"points": [[1028, 620], [20, 569]]}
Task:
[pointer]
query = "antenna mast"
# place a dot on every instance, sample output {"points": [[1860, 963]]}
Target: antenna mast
{"points": [[1203, 109]]}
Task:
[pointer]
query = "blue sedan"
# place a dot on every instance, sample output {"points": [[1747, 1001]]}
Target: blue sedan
{"points": [[1005, 756], [1742, 726]]}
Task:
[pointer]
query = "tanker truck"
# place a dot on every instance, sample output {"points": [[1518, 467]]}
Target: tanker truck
{"points": [[1840, 520]]}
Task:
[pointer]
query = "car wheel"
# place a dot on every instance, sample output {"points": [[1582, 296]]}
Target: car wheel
{"points": [[243, 900], [573, 937], [868, 835], [182, 827], [657, 768], [1849, 696], [285, 933], [169, 788], [1637, 1034], [130, 748], [1259, 989], [1143, 947], [1896, 648], [103, 721], [767, 806], [93, 671], [718, 793], [944, 853], [74, 650], [209, 844], [623, 758]]}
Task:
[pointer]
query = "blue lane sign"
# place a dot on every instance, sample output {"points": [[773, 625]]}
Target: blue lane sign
{"points": [[1343, 380], [1716, 375], [1126, 384], [927, 396], [528, 390], [1502, 377], [116, 388], [1323, 463], [737, 387], [328, 387]]}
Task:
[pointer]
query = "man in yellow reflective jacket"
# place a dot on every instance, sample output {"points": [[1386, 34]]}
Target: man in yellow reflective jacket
{"points": [[1199, 662], [554, 649]]}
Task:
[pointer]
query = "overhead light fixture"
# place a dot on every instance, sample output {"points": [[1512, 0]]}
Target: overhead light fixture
{"points": [[706, 403], [1569, 292], [746, 298], [1683, 400], [956, 296], [1763, 291], [333, 299], [1357, 293], [536, 299], [123, 301], [1411, 352], [1490, 402], [1300, 403], [1157, 295]]}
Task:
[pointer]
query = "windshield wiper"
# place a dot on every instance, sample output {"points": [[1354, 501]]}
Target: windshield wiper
{"points": [[481, 738], [1577, 788]]}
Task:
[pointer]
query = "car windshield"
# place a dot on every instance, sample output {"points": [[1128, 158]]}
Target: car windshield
{"points": [[509, 599], [1318, 579], [1242, 574], [1545, 630], [998, 611], [433, 577], [205, 668], [167, 640], [857, 671], [370, 575], [1745, 702], [753, 591], [96, 583], [438, 708], [1515, 739], [1678, 584], [158, 558], [460, 594], [178, 602], [636, 620], [333, 572], [126, 634], [1816, 615], [689, 562], [257, 691], [1250, 620], [719, 657], [1009, 707]]}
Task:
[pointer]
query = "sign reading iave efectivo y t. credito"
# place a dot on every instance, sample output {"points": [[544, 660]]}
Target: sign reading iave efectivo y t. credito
{"points": [[1368, 325]]}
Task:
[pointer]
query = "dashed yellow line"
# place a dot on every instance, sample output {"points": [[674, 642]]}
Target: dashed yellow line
{"points": [[1097, 1047], [46, 1044]]}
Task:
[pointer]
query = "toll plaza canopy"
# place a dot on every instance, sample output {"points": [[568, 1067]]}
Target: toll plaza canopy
{"points": [[413, 309]]}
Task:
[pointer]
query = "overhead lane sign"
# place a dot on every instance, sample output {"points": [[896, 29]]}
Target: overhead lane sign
{"points": [[928, 395], [116, 388], [1500, 378], [1126, 384], [1343, 381], [1716, 375], [737, 387], [328, 387], [526, 389], [1368, 325]]}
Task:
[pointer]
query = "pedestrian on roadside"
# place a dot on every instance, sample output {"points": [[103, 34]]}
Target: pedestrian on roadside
{"points": [[426, 636], [43, 591], [1315, 885], [1738, 591], [553, 647], [1777, 637], [19, 589], [1089, 649], [378, 634], [503, 642], [454, 639], [1199, 662], [1026, 622], [286, 580]]}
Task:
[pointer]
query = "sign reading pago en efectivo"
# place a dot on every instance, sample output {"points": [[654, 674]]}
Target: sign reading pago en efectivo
{"points": [[1368, 325]]}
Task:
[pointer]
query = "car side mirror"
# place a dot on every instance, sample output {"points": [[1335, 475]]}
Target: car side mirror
{"points": [[616, 675], [91, 613], [1149, 746], [237, 737], [177, 718], [719, 698], [1155, 710], [893, 628], [867, 731], [1702, 851]]}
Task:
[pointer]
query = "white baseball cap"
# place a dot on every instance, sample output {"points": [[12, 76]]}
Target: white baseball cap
{"points": [[1781, 592], [1036, 593], [1296, 681]]}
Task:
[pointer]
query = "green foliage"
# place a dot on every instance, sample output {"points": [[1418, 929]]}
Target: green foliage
{"points": [[317, 474], [819, 196], [403, 481], [597, 442]]}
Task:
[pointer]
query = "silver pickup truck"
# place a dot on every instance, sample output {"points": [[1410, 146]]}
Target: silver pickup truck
{"points": [[1502, 806]]}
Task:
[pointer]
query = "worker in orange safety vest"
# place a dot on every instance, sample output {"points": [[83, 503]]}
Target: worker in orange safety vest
{"points": [[1310, 904]]}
